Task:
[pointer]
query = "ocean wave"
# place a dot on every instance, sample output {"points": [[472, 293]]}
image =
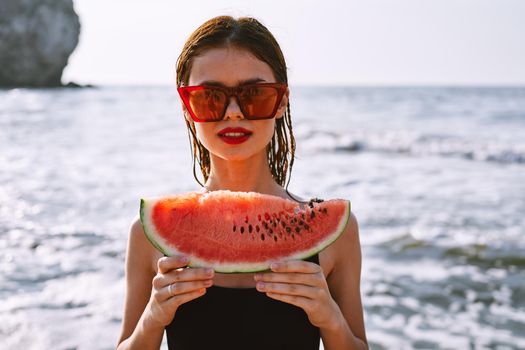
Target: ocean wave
{"points": [[417, 145], [429, 288], [484, 256]]}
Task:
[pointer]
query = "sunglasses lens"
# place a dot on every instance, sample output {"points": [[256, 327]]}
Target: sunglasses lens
{"points": [[258, 102], [207, 104]]}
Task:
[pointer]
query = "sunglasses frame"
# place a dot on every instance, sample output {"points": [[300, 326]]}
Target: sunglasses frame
{"points": [[184, 92]]}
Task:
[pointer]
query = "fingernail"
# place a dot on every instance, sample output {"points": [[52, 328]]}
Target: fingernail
{"points": [[209, 271], [260, 285], [185, 259], [274, 266]]}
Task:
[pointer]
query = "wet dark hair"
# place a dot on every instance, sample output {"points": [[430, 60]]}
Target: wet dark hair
{"points": [[248, 34]]}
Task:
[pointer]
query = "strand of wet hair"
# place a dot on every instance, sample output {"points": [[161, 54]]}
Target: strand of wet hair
{"points": [[193, 151], [290, 147]]}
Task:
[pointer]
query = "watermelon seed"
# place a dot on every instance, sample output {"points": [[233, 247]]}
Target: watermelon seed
{"points": [[262, 236], [275, 238], [234, 228], [257, 228], [274, 224], [325, 210], [283, 224], [306, 226], [246, 219], [242, 229], [250, 228], [312, 215], [297, 229], [301, 222], [288, 229], [293, 236], [271, 231]]}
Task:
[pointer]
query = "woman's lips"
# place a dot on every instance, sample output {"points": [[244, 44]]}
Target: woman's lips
{"points": [[234, 136]]}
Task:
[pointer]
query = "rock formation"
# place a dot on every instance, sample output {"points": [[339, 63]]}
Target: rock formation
{"points": [[36, 39]]}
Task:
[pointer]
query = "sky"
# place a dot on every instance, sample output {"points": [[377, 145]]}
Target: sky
{"points": [[325, 42]]}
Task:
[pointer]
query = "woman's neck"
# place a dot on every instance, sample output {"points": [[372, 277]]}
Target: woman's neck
{"points": [[249, 175]]}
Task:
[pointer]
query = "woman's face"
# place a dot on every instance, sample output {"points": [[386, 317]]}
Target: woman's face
{"points": [[232, 67]]}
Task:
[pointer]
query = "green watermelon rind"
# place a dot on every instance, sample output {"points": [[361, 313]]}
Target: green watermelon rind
{"points": [[158, 242], [154, 238]]}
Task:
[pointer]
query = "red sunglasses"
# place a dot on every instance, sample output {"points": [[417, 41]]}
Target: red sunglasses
{"points": [[209, 103]]}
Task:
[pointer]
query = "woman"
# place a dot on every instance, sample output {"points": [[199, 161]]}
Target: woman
{"points": [[232, 80]]}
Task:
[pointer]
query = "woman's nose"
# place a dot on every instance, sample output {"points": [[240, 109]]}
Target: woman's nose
{"points": [[233, 111]]}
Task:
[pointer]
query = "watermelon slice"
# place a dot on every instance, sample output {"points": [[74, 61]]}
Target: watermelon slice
{"points": [[241, 231]]}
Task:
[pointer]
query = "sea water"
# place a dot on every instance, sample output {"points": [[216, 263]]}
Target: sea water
{"points": [[436, 177]]}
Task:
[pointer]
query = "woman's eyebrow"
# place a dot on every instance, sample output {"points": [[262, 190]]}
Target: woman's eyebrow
{"points": [[251, 81], [241, 83]]}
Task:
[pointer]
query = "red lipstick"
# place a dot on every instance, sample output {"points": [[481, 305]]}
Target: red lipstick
{"points": [[234, 136]]}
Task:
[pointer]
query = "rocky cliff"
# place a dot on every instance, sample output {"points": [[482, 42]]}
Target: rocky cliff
{"points": [[36, 39]]}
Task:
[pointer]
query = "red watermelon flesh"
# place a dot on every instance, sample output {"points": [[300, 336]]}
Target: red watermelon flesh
{"points": [[241, 231]]}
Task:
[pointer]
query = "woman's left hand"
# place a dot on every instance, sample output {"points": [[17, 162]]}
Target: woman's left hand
{"points": [[302, 284]]}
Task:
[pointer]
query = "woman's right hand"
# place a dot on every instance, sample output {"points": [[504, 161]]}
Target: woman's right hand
{"points": [[175, 285]]}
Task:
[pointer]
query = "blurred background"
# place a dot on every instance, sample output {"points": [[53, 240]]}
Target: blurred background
{"points": [[413, 110]]}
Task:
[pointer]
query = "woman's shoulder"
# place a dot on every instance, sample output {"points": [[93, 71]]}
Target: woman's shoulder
{"points": [[350, 236], [136, 226], [347, 246], [138, 244], [136, 231]]}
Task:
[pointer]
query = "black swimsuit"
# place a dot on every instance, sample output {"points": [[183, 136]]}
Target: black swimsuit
{"points": [[241, 318]]}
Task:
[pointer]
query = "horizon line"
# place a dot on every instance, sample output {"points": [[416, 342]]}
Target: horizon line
{"points": [[331, 85]]}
